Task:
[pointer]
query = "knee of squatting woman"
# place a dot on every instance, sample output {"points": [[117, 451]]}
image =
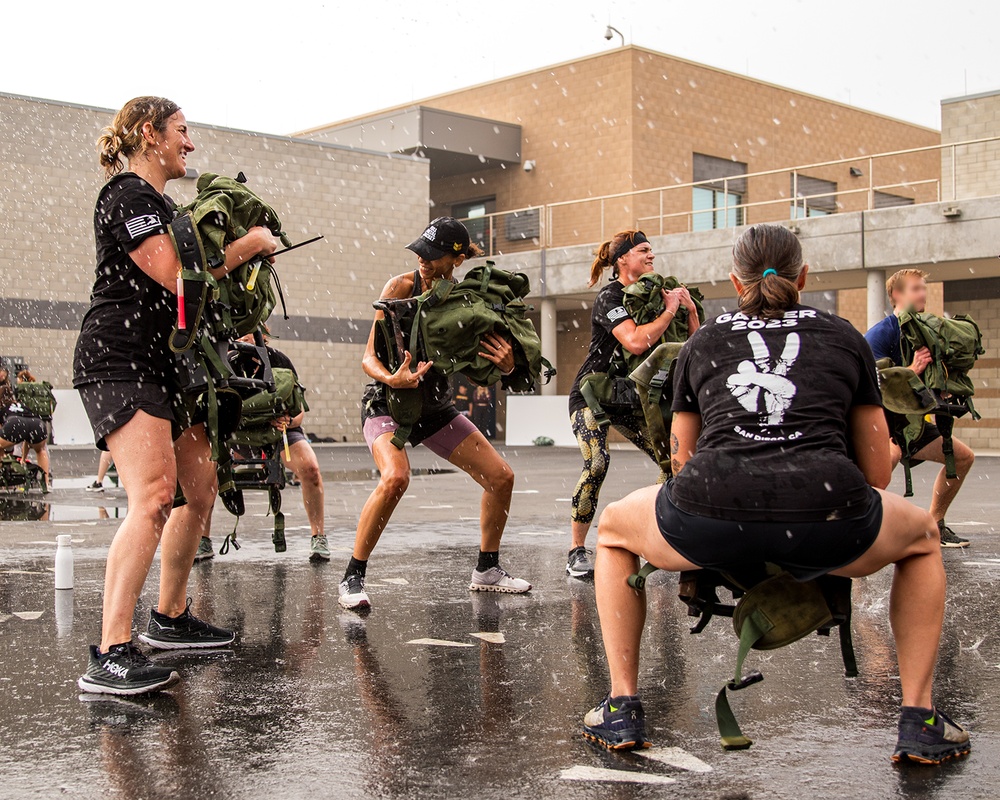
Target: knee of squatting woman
{"points": [[780, 454]]}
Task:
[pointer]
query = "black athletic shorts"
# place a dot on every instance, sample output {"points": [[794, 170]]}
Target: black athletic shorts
{"points": [[18, 429], [805, 549], [110, 404], [930, 435]]}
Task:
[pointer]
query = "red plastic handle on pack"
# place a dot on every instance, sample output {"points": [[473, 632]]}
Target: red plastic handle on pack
{"points": [[181, 311]]}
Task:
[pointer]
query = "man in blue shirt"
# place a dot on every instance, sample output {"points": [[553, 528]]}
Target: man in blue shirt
{"points": [[908, 288]]}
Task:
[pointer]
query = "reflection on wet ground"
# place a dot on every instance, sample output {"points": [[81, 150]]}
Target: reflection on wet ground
{"points": [[315, 701]]}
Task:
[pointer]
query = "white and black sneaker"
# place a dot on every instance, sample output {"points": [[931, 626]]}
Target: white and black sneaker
{"points": [[183, 632], [497, 579], [578, 564], [352, 593], [124, 670], [95, 487]]}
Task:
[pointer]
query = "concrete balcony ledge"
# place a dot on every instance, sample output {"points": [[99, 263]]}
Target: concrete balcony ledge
{"points": [[840, 250]]}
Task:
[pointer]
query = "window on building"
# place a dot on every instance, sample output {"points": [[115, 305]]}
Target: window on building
{"points": [[812, 197], [887, 200], [716, 202], [474, 213]]}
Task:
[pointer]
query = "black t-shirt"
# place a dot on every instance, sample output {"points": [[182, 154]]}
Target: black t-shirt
{"points": [[607, 314], [774, 398], [126, 330]]}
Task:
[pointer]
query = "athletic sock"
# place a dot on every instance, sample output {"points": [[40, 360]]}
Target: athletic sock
{"points": [[355, 567], [488, 560]]}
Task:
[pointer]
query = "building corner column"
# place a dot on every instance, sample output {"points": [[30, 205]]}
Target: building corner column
{"points": [[876, 296], [549, 337]]}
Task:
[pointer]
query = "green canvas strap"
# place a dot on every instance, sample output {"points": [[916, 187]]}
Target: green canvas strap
{"points": [[754, 628], [908, 476], [638, 581], [274, 506], [946, 424], [847, 647], [594, 404]]}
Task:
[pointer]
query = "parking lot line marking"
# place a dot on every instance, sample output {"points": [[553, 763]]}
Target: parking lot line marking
{"points": [[579, 773], [492, 638], [28, 615], [396, 581], [439, 643], [675, 757]]}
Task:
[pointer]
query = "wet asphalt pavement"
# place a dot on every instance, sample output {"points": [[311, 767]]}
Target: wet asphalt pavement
{"points": [[316, 702]]}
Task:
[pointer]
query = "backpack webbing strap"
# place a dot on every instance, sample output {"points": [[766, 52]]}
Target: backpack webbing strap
{"points": [[946, 424], [908, 475], [638, 581], [594, 404], [401, 435], [274, 506], [847, 647], [754, 628]]}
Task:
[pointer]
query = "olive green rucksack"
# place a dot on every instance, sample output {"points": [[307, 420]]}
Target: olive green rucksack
{"points": [[36, 398], [955, 344], [615, 388], [217, 312], [770, 610], [258, 410], [654, 383], [445, 325]]}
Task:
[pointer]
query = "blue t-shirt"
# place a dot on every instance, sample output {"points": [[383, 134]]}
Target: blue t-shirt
{"points": [[883, 339]]}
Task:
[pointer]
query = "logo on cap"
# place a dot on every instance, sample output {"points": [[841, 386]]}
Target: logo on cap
{"points": [[430, 234], [457, 246]]}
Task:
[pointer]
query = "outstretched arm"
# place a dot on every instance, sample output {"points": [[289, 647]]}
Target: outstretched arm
{"points": [[403, 378]]}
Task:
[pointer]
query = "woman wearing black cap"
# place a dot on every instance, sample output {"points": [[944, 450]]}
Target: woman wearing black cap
{"points": [[629, 255], [440, 249]]}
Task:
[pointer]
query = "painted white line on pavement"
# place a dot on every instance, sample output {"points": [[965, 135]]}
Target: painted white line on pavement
{"points": [[525, 491], [439, 643], [396, 581], [492, 638], [579, 773], [674, 757], [28, 615], [432, 508]]}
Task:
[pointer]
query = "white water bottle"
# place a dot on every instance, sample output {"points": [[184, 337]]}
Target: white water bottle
{"points": [[64, 561]]}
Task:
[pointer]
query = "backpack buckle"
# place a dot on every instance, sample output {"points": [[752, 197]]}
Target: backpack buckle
{"points": [[747, 680]]}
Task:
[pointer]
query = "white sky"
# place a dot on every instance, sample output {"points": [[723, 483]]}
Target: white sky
{"points": [[291, 64]]}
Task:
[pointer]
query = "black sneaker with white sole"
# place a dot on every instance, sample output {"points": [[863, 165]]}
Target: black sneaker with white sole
{"points": [[949, 538], [183, 632], [124, 670], [578, 564]]}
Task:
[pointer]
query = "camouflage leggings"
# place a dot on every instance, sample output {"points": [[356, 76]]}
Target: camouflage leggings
{"points": [[593, 441]]}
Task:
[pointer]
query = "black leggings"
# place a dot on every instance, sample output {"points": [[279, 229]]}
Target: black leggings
{"points": [[593, 441]]}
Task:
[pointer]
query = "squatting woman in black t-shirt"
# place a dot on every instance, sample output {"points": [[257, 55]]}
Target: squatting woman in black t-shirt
{"points": [[124, 371], [629, 255], [780, 454]]}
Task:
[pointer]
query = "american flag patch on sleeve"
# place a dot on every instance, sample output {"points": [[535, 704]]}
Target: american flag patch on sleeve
{"points": [[141, 225]]}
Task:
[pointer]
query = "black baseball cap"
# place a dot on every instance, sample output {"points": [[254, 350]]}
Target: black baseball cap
{"points": [[444, 236]]}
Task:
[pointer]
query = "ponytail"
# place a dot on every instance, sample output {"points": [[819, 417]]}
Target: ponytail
{"points": [[25, 377], [474, 251], [767, 261], [122, 139], [607, 254]]}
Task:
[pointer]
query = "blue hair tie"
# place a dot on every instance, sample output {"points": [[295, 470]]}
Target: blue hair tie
{"points": [[769, 271]]}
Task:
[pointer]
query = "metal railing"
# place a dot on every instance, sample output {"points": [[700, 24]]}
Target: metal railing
{"points": [[668, 209]]}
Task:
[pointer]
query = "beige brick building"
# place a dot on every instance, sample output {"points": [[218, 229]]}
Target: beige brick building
{"points": [[366, 204]]}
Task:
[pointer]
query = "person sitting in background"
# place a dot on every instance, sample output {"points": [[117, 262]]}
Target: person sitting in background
{"points": [[22, 426], [908, 289], [765, 421]]}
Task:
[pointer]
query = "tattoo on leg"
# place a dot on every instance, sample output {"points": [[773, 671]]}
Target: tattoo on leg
{"points": [[676, 466], [675, 445]]}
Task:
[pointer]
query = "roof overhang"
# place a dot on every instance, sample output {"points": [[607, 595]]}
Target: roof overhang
{"points": [[454, 143]]}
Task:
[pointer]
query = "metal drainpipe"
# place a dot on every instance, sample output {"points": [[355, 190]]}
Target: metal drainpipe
{"points": [[548, 322]]}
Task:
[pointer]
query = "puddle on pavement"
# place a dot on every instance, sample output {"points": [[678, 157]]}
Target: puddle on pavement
{"points": [[26, 509]]}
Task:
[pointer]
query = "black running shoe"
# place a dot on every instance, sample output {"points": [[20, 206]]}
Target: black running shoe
{"points": [[183, 632], [949, 538], [124, 670], [927, 736], [618, 723]]}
